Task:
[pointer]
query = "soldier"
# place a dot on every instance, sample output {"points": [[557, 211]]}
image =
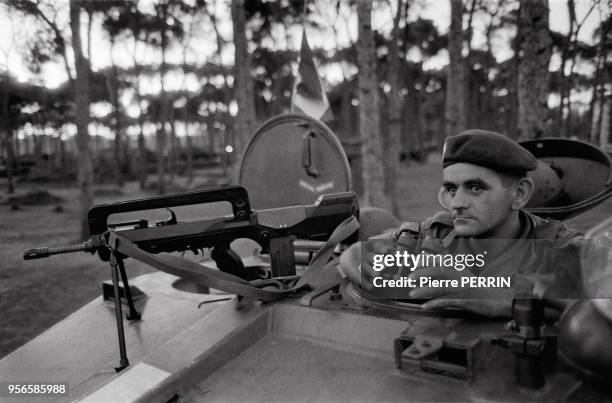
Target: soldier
{"points": [[485, 188]]}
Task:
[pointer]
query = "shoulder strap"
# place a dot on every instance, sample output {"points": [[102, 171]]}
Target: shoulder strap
{"points": [[206, 276], [429, 234], [408, 235]]}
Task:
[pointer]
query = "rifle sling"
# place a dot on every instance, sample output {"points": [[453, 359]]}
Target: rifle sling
{"points": [[229, 283]]}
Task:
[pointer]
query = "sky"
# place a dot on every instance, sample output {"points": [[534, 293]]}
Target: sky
{"points": [[14, 31]]}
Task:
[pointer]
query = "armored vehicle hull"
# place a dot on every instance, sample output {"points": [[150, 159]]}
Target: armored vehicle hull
{"points": [[324, 349], [335, 342]]}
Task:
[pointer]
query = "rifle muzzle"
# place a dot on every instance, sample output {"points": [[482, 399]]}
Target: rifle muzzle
{"points": [[39, 253]]}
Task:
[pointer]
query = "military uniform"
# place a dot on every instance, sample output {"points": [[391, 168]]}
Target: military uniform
{"points": [[545, 259]]}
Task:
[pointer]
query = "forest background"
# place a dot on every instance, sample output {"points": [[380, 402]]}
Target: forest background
{"points": [[106, 100]]}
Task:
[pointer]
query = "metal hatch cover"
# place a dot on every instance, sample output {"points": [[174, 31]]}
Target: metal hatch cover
{"points": [[292, 159], [572, 177]]}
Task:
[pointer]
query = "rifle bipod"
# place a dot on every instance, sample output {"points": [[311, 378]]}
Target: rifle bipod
{"points": [[117, 266]]}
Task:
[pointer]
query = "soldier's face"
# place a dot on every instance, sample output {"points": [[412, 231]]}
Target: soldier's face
{"points": [[478, 198]]}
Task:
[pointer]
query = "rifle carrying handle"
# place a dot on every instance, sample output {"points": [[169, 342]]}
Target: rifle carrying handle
{"points": [[237, 196]]}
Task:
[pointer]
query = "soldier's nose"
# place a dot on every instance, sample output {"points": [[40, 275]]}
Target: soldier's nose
{"points": [[459, 201]]}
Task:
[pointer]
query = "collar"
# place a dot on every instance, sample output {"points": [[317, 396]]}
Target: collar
{"points": [[521, 252]]}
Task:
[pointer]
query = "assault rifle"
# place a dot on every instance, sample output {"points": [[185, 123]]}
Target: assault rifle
{"points": [[273, 229]]}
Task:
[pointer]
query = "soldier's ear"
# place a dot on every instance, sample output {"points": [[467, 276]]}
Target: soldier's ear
{"points": [[443, 198], [522, 191]]}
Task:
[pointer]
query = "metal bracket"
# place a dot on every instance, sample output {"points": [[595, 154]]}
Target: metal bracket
{"points": [[307, 299], [328, 280], [432, 351], [422, 346], [527, 341]]}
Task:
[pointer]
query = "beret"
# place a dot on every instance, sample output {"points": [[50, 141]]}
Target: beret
{"points": [[488, 149]]}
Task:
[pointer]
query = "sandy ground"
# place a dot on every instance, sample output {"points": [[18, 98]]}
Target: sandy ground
{"points": [[34, 295]]}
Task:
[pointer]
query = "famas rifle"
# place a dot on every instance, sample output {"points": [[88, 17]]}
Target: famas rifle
{"points": [[273, 229]]}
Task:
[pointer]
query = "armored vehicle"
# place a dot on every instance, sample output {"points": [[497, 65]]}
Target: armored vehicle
{"points": [[189, 338]]}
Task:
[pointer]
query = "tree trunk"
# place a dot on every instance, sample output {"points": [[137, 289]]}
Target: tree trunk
{"points": [[117, 123], [535, 48], [393, 149], [113, 95], [564, 81], [229, 131], [593, 112], [599, 84], [369, 121], [603, 136], [471, 96], [81, 88], [243, 82], [455, 77], [349, 134], [571, 55], [60, 152], [38, 154], [163, 115], [419, 138], [128, 163], [142, 150], [606, 133], [189, 162], [174, 149], [6, 136], [346, 111], [161, 157], [29, 145], [89, 26], [142, 156], [10, 161], [513, 87]]}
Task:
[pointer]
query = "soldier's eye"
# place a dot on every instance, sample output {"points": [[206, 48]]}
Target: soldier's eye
{"points": [[475, 189], [451, 190]]}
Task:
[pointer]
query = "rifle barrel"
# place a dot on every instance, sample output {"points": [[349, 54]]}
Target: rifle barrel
{"points": [[39, 253]]}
